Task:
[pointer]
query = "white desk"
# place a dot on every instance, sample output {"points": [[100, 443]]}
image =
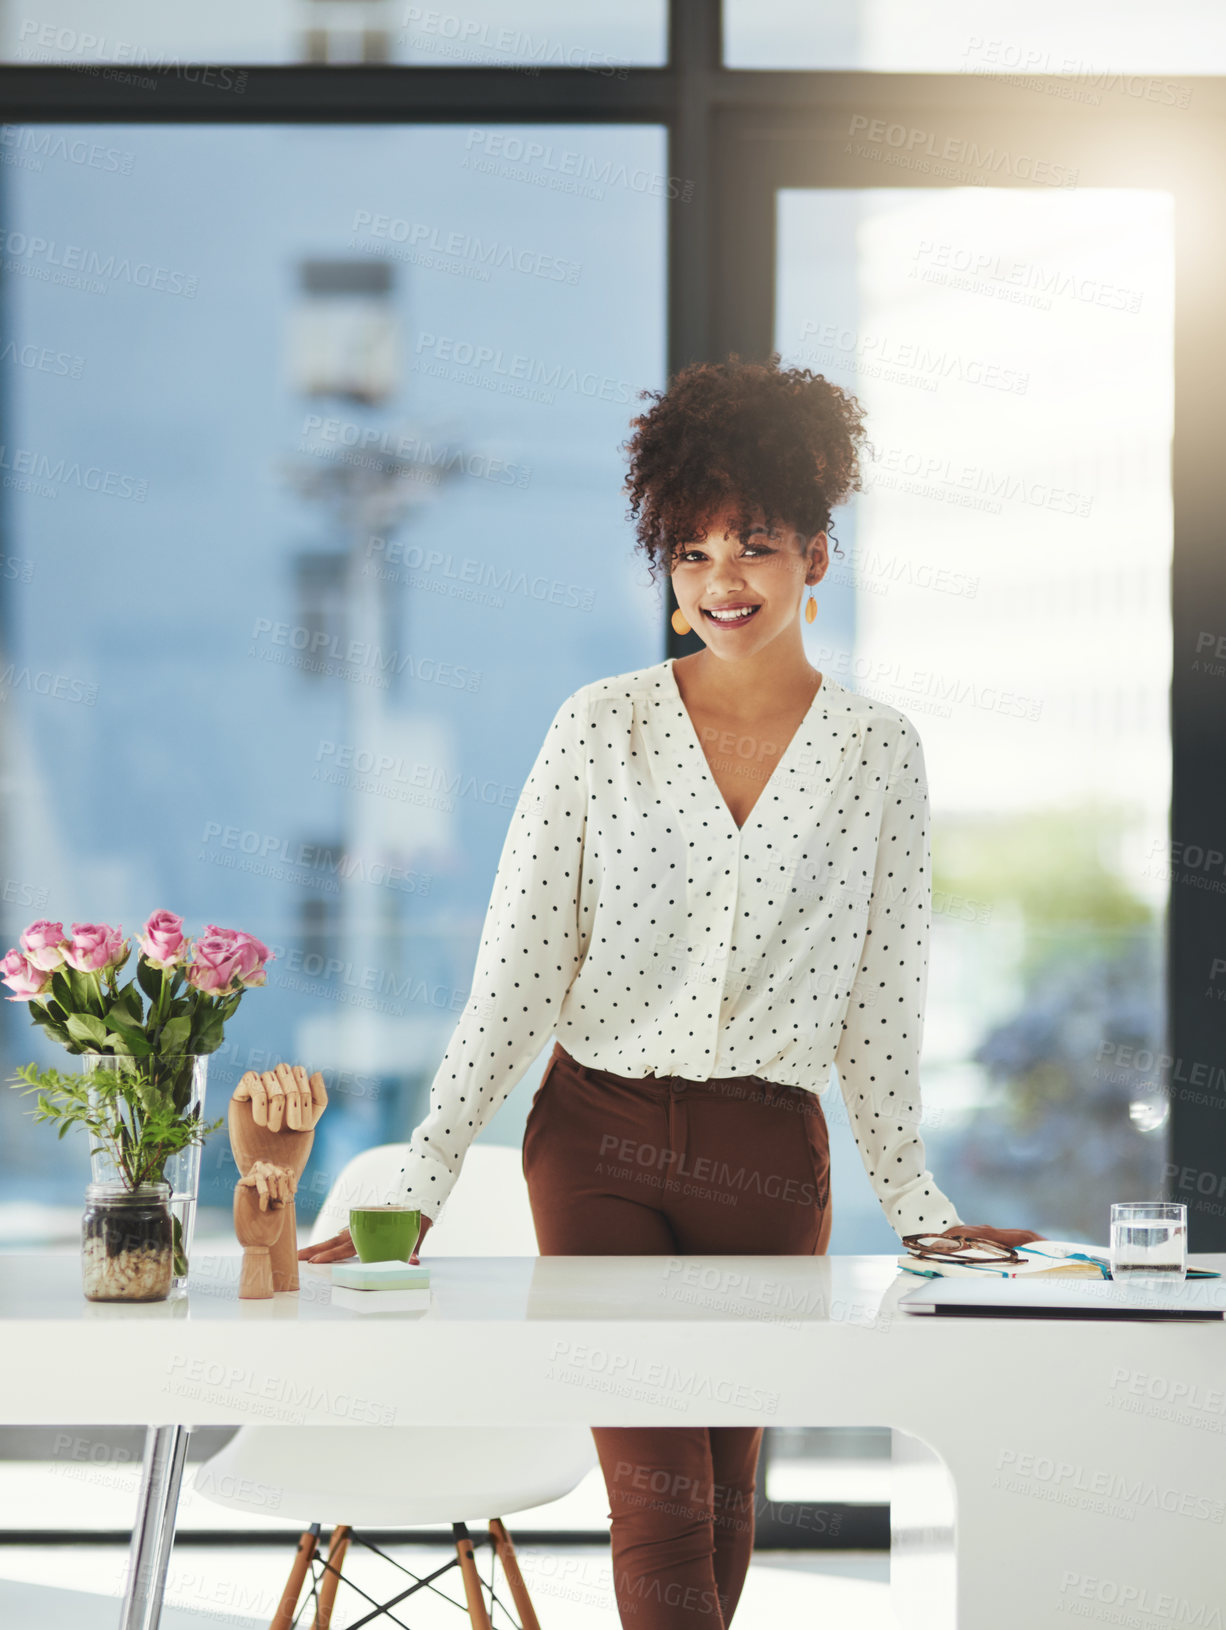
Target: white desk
{"points": [[1044, 1468]]}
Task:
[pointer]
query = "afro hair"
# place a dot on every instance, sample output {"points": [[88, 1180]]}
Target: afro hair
{"points": [[747, 439]]}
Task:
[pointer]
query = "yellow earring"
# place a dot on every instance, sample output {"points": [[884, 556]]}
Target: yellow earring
{"points": [[680, 626], [810, 608]]}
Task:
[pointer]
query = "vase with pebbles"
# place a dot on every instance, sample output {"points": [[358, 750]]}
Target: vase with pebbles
{"points": [[127, 1243]]}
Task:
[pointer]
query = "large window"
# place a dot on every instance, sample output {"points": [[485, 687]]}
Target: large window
{"points": [[1005, 583], [127, 36], [1103, 53], [314, 498]]}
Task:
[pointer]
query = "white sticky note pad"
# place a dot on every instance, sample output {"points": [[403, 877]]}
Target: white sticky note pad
{"points": [[381, 1275]]}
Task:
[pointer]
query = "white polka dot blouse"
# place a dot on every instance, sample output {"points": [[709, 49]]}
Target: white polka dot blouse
{"points": [[632, 918]]}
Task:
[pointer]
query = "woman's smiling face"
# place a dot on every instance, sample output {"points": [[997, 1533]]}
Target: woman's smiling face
{"points": [[758, 583]]}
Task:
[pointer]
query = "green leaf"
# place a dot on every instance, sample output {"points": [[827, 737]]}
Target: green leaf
{"points": [[84, 992], [124, 1039], [57, 1032], [149, 979], [85, 1028], [174, 1037], [209, 1031], [62, 990], [128, 1006]]}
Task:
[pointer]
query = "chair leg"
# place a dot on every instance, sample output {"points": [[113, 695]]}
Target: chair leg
{"points": [[515, 1579], [472, 1579], [283, 1618], [332, 1576]]}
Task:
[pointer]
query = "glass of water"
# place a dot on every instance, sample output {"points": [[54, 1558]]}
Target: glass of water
{"points": [[1149, 1242]]}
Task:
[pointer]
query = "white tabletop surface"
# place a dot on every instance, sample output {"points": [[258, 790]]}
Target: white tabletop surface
{"points": [[776, 1340]]}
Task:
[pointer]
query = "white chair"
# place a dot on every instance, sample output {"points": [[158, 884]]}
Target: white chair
{"points": [[402, 1476]]}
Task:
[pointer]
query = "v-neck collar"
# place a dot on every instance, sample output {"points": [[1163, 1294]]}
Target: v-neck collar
{"points": [[802, 750]]}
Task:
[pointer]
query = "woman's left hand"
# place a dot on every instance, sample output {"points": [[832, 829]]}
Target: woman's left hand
{"points": [[1001, 1236]]}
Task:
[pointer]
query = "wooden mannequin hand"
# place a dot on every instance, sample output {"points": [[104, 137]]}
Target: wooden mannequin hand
{"points": [[273, 1117], [273, 1186], [340, 1246], [284, 1095], [1002, 1236], [272, 1120]]}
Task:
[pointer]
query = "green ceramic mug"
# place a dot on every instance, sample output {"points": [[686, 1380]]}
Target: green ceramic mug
{"points": [[384, 1233]]}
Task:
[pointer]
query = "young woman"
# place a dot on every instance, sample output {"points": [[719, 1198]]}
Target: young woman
{"points": [[714, 886]]}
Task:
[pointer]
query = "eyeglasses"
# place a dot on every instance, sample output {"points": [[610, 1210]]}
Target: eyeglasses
{"points": [[958, 1248]]}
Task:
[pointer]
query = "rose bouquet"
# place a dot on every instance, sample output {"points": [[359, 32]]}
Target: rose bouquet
{"points": [[140, 1095]]}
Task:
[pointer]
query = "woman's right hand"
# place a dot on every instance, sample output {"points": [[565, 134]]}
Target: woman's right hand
{"points": [[335, 1249], [340, 1246]]}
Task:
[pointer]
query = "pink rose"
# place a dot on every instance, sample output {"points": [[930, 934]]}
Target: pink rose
{"points": [[23, 976], [95, 946], [43, 944], [162, 942], [248, 954], [214, 963], [252, 954]]}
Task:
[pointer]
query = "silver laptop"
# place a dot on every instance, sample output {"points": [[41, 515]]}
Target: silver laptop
{"points": [[1036, 1297]]}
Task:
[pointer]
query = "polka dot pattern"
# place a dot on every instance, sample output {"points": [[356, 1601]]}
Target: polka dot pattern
{"points": [[634, 919]]}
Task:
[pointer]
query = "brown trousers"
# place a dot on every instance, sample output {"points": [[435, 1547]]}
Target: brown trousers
{"points": [[657, 1165]]}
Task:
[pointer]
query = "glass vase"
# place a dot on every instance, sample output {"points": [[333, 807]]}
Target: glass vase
{"points": [[127, 1250], [174, 1083]]}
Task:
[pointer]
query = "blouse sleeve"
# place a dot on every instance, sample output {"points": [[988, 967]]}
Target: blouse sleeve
{"points": [[528, 956], [879, 1048]]}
